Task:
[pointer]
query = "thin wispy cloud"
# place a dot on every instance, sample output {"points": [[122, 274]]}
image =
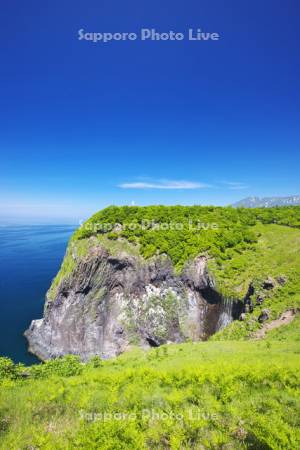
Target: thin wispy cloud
{"points": [[235, 185], [180, 184], [164, 184]]}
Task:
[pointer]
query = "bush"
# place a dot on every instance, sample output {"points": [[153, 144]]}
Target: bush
{"points": [[67, 366], [95, 362], [233, 232], [9, 370]]}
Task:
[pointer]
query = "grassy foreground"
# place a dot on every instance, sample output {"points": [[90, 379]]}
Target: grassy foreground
{"points": [[207, 395], [227, 393]]}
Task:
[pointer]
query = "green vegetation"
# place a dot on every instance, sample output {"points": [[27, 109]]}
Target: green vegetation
{"points": [[227, 393], [245, 246], [276, 254], [210, 395], [179, 396], [228, 235], [290, 332], [183, 232], [67, 267]]}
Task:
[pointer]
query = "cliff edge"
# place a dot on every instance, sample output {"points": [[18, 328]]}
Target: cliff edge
{"points": [[108, 302]]}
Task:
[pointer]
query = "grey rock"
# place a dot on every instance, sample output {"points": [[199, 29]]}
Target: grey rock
{"points": [[248, 307], [196, 276], [260, 299], [281, 280], [110, 302], [269, 283], [264, 315]]}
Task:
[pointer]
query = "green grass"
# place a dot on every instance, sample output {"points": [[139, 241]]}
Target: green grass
{"points": [[209, 395], [277, 253], [183, 232], [227, 393], [117, 247], [68, 265], [245, 244], [290, 332]]}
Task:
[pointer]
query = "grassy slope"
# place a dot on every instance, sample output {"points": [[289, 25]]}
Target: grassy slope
{"points": [[206, 395], [210, 395], [277, 253]]}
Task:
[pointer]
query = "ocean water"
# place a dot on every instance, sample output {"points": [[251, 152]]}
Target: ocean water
{"points": [[30, 257]]}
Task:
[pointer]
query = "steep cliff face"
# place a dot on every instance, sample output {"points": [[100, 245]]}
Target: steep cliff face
{"points": [[108, 302]]}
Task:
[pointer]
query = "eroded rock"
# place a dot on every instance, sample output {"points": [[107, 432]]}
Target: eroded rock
{"points": [[269, 283], [281, 280], [260, 299], [109, 302], [264, 315]]}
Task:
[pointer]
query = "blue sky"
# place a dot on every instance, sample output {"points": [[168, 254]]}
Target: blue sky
{"points": [[86, 125]]}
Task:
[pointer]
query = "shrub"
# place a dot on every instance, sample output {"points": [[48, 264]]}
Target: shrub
{"points": [[67, 366], [9, 370]]}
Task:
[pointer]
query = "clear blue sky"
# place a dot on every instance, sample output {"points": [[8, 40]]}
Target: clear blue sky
{"points": [[86, 125]]}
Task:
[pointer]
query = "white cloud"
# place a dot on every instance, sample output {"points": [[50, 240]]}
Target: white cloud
{"points": [[163, 184]]}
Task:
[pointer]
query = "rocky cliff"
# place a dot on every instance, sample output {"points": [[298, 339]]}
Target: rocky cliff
{"points": [[107, 301]]}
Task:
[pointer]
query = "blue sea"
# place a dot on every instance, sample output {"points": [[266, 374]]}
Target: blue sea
{"points": [[30, 257]]}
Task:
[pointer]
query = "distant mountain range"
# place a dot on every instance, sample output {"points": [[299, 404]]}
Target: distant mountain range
{"points": [[267, 202]]}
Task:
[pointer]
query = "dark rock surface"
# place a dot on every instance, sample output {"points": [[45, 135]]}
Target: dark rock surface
{"points": [[264, 315], [269, 283], [260, 299], [110, 302], [281, 280]]}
